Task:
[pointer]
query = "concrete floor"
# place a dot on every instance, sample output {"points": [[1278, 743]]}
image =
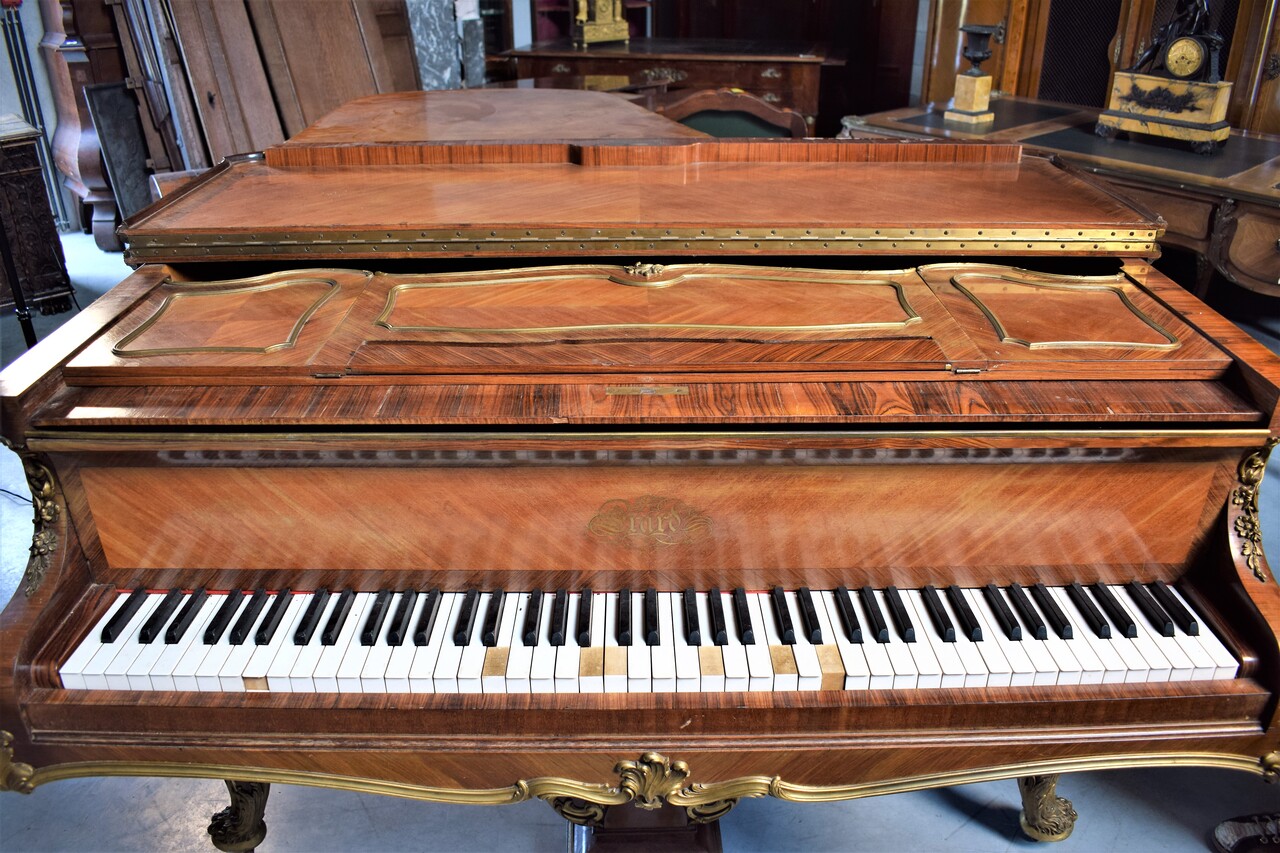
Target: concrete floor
{"points": [[1134, 810]]}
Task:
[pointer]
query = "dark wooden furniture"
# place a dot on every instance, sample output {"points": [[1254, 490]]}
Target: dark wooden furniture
{"points": [[783, 74], [1224, 208], [34, 266], [729, 112], [682, 363]]}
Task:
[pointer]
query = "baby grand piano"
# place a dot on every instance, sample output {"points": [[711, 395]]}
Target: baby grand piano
{"points": [[663, 473]]}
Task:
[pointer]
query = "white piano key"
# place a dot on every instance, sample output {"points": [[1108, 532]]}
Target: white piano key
{"points": [[786, 675], [977, 671], [72, 671], [445, 676], [662, 657], [1001, 670], [903, 662], [373, 675], [1225, 663], [287, 653], [1091, 668], [1031, 664], [425, 658], [1203, 666], [325, 677], [594, 682], [1136, 668], [737, 675], [615, 681], [639, 660], [759, 664], [1106, 659], [395, 678], [471, 661], [304, 665], [138, 674], [116, 672], [857, 675], [808, 670], [952, 670], [494, 680], [709, 680], [351, 667], [521, 656], [569, 656], [162, 674], [256, 671], [686, 656], [231, 676], [542, 666], [1159, 668]]}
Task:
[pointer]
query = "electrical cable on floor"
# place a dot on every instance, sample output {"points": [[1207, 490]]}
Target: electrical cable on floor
{"points": [[21, 498]]}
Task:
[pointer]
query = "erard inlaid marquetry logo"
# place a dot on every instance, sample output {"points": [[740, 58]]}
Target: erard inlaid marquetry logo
{"points": [[649, 521]]}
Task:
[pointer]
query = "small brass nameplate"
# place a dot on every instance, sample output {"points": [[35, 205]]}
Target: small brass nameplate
{"points": [[645, 390]]}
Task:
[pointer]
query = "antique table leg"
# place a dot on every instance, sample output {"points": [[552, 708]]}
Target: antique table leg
{"points": [[1045, 815], [239, 827]]}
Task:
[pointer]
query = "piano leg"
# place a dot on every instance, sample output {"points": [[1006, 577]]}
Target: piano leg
{"points": [[239, 827], [1045, 815]]}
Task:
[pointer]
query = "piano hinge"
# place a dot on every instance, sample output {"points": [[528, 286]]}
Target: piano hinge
{"points": [[965, 370], [327, 375]]}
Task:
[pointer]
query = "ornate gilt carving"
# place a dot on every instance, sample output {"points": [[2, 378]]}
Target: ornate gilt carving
{"points": [[14, 775], [652, 779], [581, 812], [644, 270], [44, 500], [1271, 766], [1045, 815], [1247, 525], [240, 827]]}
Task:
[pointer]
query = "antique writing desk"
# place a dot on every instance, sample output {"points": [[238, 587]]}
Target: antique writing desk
{"points": [[653, 473]]}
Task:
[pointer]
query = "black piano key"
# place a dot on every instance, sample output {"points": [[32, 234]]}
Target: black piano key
{"points": [[1185, 619], [311, 617], [427, 618], [875, 619], [160, 616], [898, 612], [652, 636], [124, 615], [271, 622], [466, 621], [222, 618], [1154, 612], [492, 619], [809, 616], [782, 616], [332, 628], [375, 617], [398, 628], [715, 609], [248, 618], [532, 619], [938, 614], [848, 616], [968, 622], [584, 618], [1057, 619], [1097, 622], [689, 618], [1117, 614], [624, 617], [559, 618], [1027, 612], [182, 622], [742, 614], [1004, 616]]}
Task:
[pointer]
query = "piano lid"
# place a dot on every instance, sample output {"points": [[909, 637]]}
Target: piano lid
{"points": [[778, 325], [703, 198]]}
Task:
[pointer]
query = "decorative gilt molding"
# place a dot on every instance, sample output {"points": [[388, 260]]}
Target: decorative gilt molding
{"points": [[1271, 766], [44, 501], [14, 775], [1247, 524], [642, 270]]}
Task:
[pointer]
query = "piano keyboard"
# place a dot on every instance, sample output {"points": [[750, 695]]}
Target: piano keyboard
{"points": [[645, 641]]}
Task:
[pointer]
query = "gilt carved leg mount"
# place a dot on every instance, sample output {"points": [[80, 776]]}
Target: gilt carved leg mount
{"points": [[239, 827], [1045, 815]]}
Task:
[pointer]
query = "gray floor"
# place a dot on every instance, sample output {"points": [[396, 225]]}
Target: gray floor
{"points": [[1139, 810]]}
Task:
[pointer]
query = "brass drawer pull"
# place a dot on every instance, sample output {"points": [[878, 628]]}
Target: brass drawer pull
{"points": [[771, 74]]}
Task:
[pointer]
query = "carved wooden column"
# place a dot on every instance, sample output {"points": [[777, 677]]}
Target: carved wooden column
{"points": [[1045, 815], [239, 828]]}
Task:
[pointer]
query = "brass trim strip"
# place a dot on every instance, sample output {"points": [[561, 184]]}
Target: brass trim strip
{"points": [[652, 781], [1070, 283]]}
